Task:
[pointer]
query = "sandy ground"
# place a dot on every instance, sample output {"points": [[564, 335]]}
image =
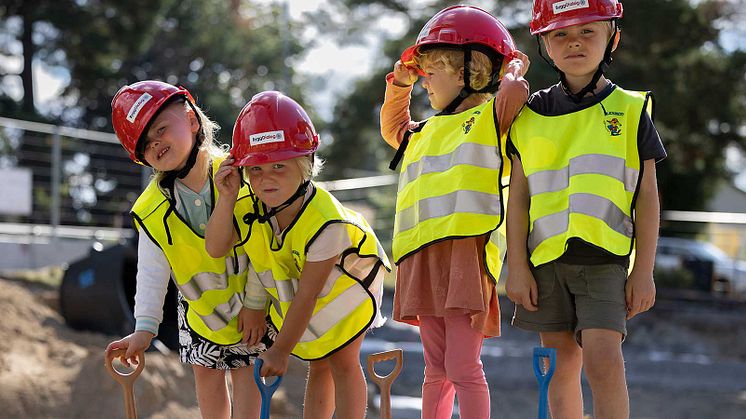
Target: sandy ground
{"points": [[49, 371], [683, 361]]}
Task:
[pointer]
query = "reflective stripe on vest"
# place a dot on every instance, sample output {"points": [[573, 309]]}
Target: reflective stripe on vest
{"points": [[450, 184], [583, 170], [345, 308], [212, 287]]}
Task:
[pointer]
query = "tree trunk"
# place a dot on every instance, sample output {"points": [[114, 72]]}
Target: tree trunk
{"points": [[27, 15]]}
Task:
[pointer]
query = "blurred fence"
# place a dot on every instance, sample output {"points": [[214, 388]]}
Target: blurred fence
{"points": [[83, 185]]}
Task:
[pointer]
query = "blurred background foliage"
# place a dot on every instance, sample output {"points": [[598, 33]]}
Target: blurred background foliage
{"points": [[226, 51]]}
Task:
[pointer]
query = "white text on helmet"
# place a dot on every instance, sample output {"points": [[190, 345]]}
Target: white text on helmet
{"points": [[139, 103], [567, 5], [267, 137]]}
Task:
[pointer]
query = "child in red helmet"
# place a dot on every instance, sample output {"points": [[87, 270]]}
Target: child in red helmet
{"points": [[449, 239], [320, 262], [583, 196], [221, 319]]}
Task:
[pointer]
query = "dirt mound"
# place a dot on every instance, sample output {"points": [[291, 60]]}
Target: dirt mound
{"points": [[48, 370]]}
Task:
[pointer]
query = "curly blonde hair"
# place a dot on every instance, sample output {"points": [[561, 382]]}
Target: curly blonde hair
{"points": [[452, 60]]}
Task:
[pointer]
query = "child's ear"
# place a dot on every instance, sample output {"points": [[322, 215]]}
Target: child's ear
{"points": [[617, 37], [193, 121], [461, 77]]}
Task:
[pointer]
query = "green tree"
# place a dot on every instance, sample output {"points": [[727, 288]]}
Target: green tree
{"points": [[671, 47]]}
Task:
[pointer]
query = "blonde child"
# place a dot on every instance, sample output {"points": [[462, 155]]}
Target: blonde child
{"points": [[221, 318], [583, 194], [321, 263], [448, 240]]}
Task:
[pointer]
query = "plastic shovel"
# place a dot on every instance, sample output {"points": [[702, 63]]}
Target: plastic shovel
{"points": [[127, 381], [266, 390], [544, 376], [384, 382]]}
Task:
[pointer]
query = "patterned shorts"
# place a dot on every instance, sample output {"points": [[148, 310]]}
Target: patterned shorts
{"points": [[196, 350]]}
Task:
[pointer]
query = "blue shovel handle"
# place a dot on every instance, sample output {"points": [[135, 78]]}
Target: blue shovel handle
{"points": [[266, 390], [544, 376]]}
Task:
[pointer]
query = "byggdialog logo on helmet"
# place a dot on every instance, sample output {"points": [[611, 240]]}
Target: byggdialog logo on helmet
{"points": [[267, 137], [137, 106], [567, 5]]}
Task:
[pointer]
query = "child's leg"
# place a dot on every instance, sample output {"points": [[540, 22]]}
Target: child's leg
{"points": [[351, 390], [565, 392], [437, 391], [212, 393], [247, 401], [604, 367], [319, 398], [464, 367]]}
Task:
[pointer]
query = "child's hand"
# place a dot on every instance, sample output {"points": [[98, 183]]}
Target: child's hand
{"points": [[275, 363], [136, 342], [227, 179], [639, 292], [404, 76], [521, 288], [518, 65], [252, 324]]}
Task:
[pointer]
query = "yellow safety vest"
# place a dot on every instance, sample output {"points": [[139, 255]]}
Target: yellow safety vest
{"points": [[583, 171], [346, 306], [212, 287], [453, 184]]}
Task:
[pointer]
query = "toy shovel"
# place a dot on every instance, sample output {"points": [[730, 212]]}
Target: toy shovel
{"points": [[266, 390], [127, 381], [384, 382], [544, 376]]}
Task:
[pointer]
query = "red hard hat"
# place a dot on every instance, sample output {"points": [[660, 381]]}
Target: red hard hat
{"points": [[135, 105], [462, 25], [549, 15], [272, 127]]}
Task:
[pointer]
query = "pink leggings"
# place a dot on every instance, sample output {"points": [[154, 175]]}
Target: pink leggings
{"points": [[452, 365]]}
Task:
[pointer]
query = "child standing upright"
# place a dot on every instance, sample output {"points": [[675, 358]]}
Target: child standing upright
{"points": [[448, 240], [583, 195], [221, 318], [320, 262]]}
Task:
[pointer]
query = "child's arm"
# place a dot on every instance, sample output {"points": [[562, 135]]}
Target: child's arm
{"points": [[220, 234], [520, 285], [252, 318], [311, 284], [640, 288], [151, 285], [513, 91], [395, 118]]}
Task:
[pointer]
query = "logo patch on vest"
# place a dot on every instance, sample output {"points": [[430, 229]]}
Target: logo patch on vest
{"points": [[469, 122], [613, 126]]}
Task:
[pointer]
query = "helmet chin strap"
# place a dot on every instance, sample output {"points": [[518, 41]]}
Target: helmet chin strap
{"points": [[602, 66]]}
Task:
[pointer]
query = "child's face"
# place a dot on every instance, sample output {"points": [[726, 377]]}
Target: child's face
{"points": [[274, 183], [170, 137], [442, 86], [578, 50]]}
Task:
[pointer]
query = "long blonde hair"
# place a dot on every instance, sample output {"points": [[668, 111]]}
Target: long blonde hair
{"points": [[452, 60]]}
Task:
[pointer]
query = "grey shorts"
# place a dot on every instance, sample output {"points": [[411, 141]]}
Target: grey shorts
{"points": [[575, 298]]}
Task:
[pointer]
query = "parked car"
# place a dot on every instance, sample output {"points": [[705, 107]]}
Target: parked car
{"points": [[727, 275]]}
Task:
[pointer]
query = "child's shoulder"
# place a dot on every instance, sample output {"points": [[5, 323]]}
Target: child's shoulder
{"points": [[542, 101]]}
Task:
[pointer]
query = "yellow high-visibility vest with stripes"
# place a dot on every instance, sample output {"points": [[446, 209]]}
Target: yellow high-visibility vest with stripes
{"points": [[583, 172], [346, 306], [453, 184], [213, 287]]}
